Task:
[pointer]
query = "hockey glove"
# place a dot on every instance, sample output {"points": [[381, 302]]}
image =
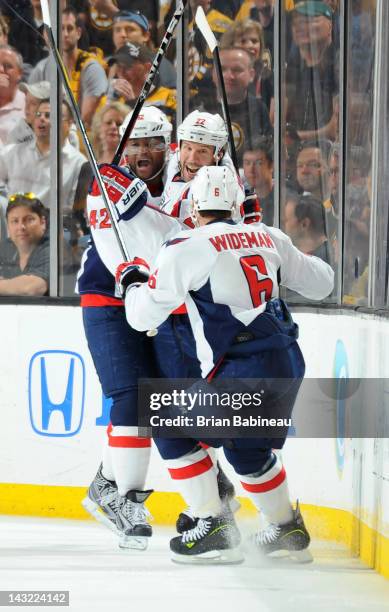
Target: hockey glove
{"points": [[131, 274], [251, 210]]}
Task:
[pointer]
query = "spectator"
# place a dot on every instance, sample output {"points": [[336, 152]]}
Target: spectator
{"points": [[133, 65], [263, 11], [249, 115], [22, 131], [12, 100], [258, 170], [312, 169], [86, 71], [26, 166], [249, 35], [131, 27], [24, 255], [105, 130], [304, 224], [200, 57], [100, 15], [25, 33], [311, 81]]}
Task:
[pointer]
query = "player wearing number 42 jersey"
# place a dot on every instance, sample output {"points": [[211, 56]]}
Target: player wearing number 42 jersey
{"points": [[228, 275]]}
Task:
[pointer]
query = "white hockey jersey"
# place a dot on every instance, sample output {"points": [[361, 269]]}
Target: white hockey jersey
{"points": [[176, 197], [143, 226], [225, 273]]}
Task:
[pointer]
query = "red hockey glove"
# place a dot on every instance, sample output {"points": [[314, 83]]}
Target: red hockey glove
{"points": [[131, 274], [251, 210]]}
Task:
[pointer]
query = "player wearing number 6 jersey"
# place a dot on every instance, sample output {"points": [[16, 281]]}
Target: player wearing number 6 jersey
{"points": [[228, 275]]}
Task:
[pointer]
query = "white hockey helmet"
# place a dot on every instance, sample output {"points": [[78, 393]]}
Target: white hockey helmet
{"points": [[215, 188], [151, 122], [203, 128]]}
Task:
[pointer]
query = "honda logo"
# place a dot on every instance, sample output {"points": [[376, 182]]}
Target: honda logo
{"points": [[56, 392]]}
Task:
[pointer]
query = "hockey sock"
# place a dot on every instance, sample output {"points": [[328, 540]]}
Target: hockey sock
{"points": [[107, 469], [130, 456], [195, 477], [269, 492], [212, 453]]}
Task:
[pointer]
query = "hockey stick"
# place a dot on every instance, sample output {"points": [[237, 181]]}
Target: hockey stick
{"points": [[80, 124], [149, 81], [203, 26]]}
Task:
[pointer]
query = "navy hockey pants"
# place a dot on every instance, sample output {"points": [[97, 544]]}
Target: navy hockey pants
{"points": [[121, 355], [248, 455]]}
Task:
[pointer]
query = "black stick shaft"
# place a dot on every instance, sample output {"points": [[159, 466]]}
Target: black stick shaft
{"points": [[226, 110], [88, 147], [149, 81]]}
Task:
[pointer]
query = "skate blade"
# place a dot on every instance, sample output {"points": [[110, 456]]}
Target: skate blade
{"points": [[231, 556], [95, 511], [133, 542], [297, 556], [301, 556]]}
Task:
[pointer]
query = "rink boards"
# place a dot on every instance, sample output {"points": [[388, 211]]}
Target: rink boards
{"points": [[54, 418]]}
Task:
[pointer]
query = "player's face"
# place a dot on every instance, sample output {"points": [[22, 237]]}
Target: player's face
{"points": [[109, 129], [194, 156], [25, 228], [251, 42], [310, 169], [128, 31], [257, 168], [71, 34], [41, 122], [146, 156]]}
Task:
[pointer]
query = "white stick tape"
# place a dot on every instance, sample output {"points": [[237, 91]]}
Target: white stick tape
{"points": [[205, 29]]}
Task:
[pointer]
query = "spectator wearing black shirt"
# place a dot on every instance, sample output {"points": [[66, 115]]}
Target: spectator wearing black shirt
{"points": [[248, 35], [24, 256], [311, 81], [249, 115]]}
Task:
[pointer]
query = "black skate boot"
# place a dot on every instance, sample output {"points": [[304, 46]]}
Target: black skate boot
{"points": [[214, 540], [292, 538], [186, 520], [132, 522], [102, 500]]}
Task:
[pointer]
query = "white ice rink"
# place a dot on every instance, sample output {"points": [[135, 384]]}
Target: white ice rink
{"points": [[82, 557]]}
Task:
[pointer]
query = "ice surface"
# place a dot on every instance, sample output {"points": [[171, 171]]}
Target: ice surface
{"points": [[82, 557]]}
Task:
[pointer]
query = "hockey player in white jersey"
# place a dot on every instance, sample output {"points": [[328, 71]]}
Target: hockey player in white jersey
{"points": [[120, 354], [202, 141], [227, 275]]}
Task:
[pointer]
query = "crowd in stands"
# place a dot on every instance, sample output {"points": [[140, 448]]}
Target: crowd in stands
{"points": [[108, 47]]}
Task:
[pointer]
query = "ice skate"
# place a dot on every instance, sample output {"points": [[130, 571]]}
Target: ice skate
{"points": [[214, 540], [186, 520], [291, 538], [102, 500], [131, 520]]}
